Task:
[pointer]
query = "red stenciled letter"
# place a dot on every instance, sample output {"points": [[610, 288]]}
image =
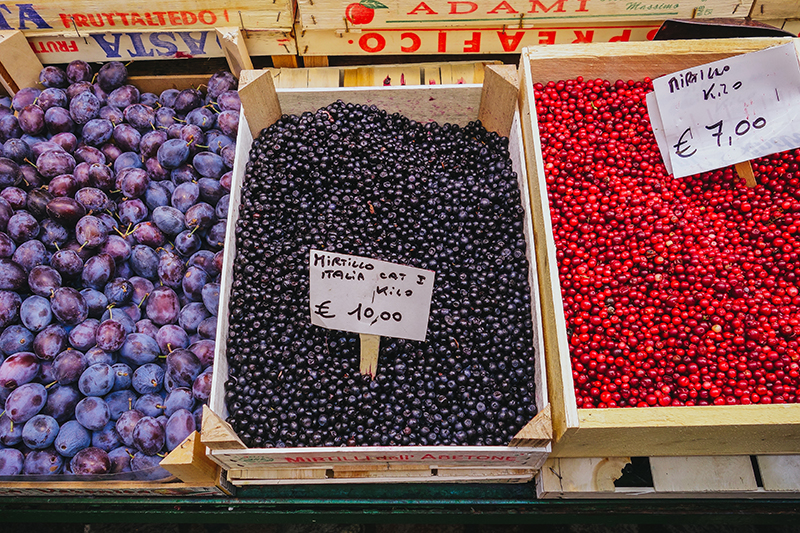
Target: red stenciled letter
{"points": [[455, 10], [207, 17], [581, 37], [442, 47], [510, 42], [422, 7], [626, 36], [415, 42], [547, 37], [364, 42], [536, 5], [504, 6], [188, 18], [473, 45]]}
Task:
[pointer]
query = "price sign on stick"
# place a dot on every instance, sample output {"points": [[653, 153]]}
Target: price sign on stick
{"points": [[728, 111], [365, 295]]}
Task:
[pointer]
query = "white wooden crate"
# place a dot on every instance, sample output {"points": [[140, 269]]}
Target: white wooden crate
{"points": [[457, 104]]}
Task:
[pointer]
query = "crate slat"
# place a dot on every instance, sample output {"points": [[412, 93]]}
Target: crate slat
{"points": [[672, 477], [483, 40], [273, 476], [703, 474], [780, 472], [194, 475], [571, 477], [406, 14], [674, 431]]}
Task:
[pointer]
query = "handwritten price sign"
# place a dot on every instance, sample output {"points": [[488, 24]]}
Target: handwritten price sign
{"points": [[363, 295], [728, 111]]}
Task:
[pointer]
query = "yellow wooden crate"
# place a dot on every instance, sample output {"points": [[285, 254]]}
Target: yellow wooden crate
{"points": [[654, 431]]}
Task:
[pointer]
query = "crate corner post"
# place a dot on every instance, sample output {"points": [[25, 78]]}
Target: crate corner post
{"points": [[19, 66], [235, 49], [218, 434], [189, 463], [260, 103]]}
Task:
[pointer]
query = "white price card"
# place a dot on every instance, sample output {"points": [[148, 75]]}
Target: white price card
{"points": [[364, 295], [729, 111]]}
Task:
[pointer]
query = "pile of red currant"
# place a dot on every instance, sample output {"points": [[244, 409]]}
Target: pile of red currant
{"points": [[676, 291]]}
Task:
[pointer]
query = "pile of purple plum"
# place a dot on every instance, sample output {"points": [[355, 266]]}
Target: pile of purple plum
{"points": [[113, 205]]}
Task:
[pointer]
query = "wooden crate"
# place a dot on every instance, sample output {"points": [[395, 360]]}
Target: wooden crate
{"points": [[349, 15], [457, 104], [194, 474], [492, 40], [738, 476], [655, 431]]}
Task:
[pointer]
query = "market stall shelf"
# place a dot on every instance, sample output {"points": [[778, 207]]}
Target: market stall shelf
{"points": [[475, 40]]}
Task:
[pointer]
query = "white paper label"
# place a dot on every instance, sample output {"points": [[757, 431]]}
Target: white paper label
{"points": [[364, 295], [731, 110]]}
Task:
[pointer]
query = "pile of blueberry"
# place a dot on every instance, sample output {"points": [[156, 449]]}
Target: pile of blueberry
{"points": [[358, 180], [113, 206]]}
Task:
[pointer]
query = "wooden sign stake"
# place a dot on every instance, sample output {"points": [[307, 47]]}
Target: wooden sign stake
{"points": [[745, 170], [370, 345]]}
